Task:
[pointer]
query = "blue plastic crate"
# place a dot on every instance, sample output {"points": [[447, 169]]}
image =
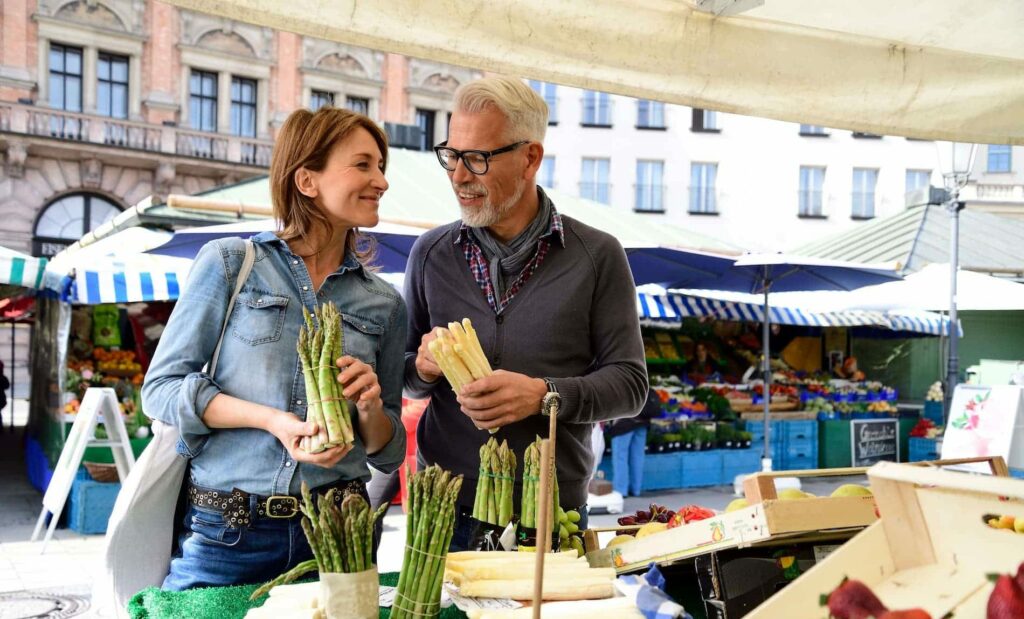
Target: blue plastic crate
{"points": [[933, 411], [91, 504], [701, 468], [662, 471], [740, 462], [1018, 473], [801, 462], [800, 429], [922, 449]]}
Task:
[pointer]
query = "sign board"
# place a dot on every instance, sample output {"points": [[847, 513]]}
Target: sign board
{"points": [[985, 421], [874, 440], [98, 406]]}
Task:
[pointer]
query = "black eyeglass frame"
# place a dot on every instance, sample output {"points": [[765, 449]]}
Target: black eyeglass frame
{"points": [[461, 154]]}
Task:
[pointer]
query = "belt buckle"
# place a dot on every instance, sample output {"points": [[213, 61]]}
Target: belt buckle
{"points": [[276, 503]]}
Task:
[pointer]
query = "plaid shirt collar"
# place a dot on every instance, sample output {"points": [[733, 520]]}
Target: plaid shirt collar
{"points": [[481, 270]]}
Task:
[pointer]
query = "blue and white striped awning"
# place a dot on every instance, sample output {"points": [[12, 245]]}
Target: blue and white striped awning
{"points": [[675, 307], [123, 284]]}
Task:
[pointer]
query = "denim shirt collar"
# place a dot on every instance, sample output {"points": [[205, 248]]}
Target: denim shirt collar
{"points": [[350, 263]]}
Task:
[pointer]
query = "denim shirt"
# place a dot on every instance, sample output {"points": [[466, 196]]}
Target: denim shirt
{"points": [[259, 363]]}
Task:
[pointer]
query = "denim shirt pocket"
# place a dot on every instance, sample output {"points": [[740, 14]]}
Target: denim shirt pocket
{"points": [[362, 338], [258, 317]]}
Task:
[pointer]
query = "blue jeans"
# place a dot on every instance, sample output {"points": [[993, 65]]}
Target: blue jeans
{"points": [[628, 462], [212, 554]]}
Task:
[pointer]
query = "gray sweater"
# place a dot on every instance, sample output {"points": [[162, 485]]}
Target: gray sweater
{"points": [[574, 321]]}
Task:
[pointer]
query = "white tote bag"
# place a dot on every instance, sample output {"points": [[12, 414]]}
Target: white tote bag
{"points": [[140, 533]]}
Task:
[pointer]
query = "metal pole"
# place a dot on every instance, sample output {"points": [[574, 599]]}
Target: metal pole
{"points": [[11, 400], [952, 361], [766, 458]]}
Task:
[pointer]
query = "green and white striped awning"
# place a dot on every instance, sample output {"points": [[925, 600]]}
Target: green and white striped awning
{"points": [[18, 269]]}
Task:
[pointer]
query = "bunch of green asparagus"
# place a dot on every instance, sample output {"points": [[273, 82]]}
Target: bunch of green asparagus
{"points": [[320, 346], [341, 537], [430, 522], [495, 483], [531, 486]]}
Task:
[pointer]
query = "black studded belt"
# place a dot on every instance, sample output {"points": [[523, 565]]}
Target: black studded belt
{"points": [[235, 505]]}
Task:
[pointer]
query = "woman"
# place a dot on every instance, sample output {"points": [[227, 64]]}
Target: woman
{"points": [[243, 426]]}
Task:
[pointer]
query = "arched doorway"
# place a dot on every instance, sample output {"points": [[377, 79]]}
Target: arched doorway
{"points": [[67, 218]]}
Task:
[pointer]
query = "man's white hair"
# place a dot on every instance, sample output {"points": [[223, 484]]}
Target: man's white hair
{"points": [[525, 110]]}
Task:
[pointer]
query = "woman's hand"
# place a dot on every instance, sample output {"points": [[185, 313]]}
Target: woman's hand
{"points": [[290, 430], [359, 384]]}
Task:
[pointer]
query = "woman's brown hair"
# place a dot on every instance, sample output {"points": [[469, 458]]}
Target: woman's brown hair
{"points": [[305, 141]]}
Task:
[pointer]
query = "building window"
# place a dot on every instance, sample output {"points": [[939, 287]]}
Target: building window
{"points": [[320, 98], [112, 86], [425, 121], [649, 188], [813, 130], [202, 104], [65, 77], [916, 179], [702, 188], [359, 105], [999, 158], [597, 109], [550, 94], [594, 183], [547, 172], [811, 181], [650, 114], [243, 107], [705, 120], [863, 196], [67, 219]]}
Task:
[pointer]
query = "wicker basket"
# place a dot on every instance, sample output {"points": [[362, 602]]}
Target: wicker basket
{"points": [[106, 473]]}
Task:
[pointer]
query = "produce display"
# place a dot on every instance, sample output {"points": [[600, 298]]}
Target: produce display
{"points": [[510, 575], [320, 344], [1008, 523], [429, 525], [341, 537], [852, 599], [494, 485]]}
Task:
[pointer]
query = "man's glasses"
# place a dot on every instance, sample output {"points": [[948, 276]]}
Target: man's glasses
{"points": [[476, 161]]}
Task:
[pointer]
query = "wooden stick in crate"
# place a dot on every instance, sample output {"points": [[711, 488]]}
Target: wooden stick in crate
{"points": [[547, 466]]}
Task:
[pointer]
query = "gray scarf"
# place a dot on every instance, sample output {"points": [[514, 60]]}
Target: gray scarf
{"points": [[507, 261]]}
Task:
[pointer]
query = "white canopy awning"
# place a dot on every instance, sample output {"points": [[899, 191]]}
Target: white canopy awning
{"points": [[18, 269], [942, 69]]}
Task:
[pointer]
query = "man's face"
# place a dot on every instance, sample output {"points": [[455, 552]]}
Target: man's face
{"points": [[489, 198]]}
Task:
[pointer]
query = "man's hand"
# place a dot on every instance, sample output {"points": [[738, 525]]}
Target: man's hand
{"points": [[290, 430], [426, 365], [502, 398]]}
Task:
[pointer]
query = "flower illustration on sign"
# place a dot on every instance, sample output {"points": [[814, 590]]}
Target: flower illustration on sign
{"points": [[971, 415]]}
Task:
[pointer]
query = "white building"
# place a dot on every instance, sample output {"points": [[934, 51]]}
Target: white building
{"points": [[756, 183]]}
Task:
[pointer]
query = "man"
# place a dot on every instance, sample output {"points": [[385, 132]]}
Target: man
{"points": [[552, 301]]}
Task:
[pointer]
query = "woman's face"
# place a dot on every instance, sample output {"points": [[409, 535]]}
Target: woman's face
{"points": [[349, 188]]}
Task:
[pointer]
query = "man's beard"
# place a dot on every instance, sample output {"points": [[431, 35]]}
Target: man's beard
{"points": [[489, 214]]}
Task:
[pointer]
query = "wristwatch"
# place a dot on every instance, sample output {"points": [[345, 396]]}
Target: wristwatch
{"points": [[551, 400]]}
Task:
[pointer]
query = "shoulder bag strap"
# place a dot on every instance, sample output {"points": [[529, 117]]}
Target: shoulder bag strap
{"points": [[243, 274]]}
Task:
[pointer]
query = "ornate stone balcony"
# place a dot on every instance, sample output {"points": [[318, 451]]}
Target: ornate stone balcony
{"points": [[34, 121]]}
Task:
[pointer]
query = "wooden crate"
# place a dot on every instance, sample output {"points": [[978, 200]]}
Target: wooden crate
{"points": [[766, 519], [931, 549]]}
